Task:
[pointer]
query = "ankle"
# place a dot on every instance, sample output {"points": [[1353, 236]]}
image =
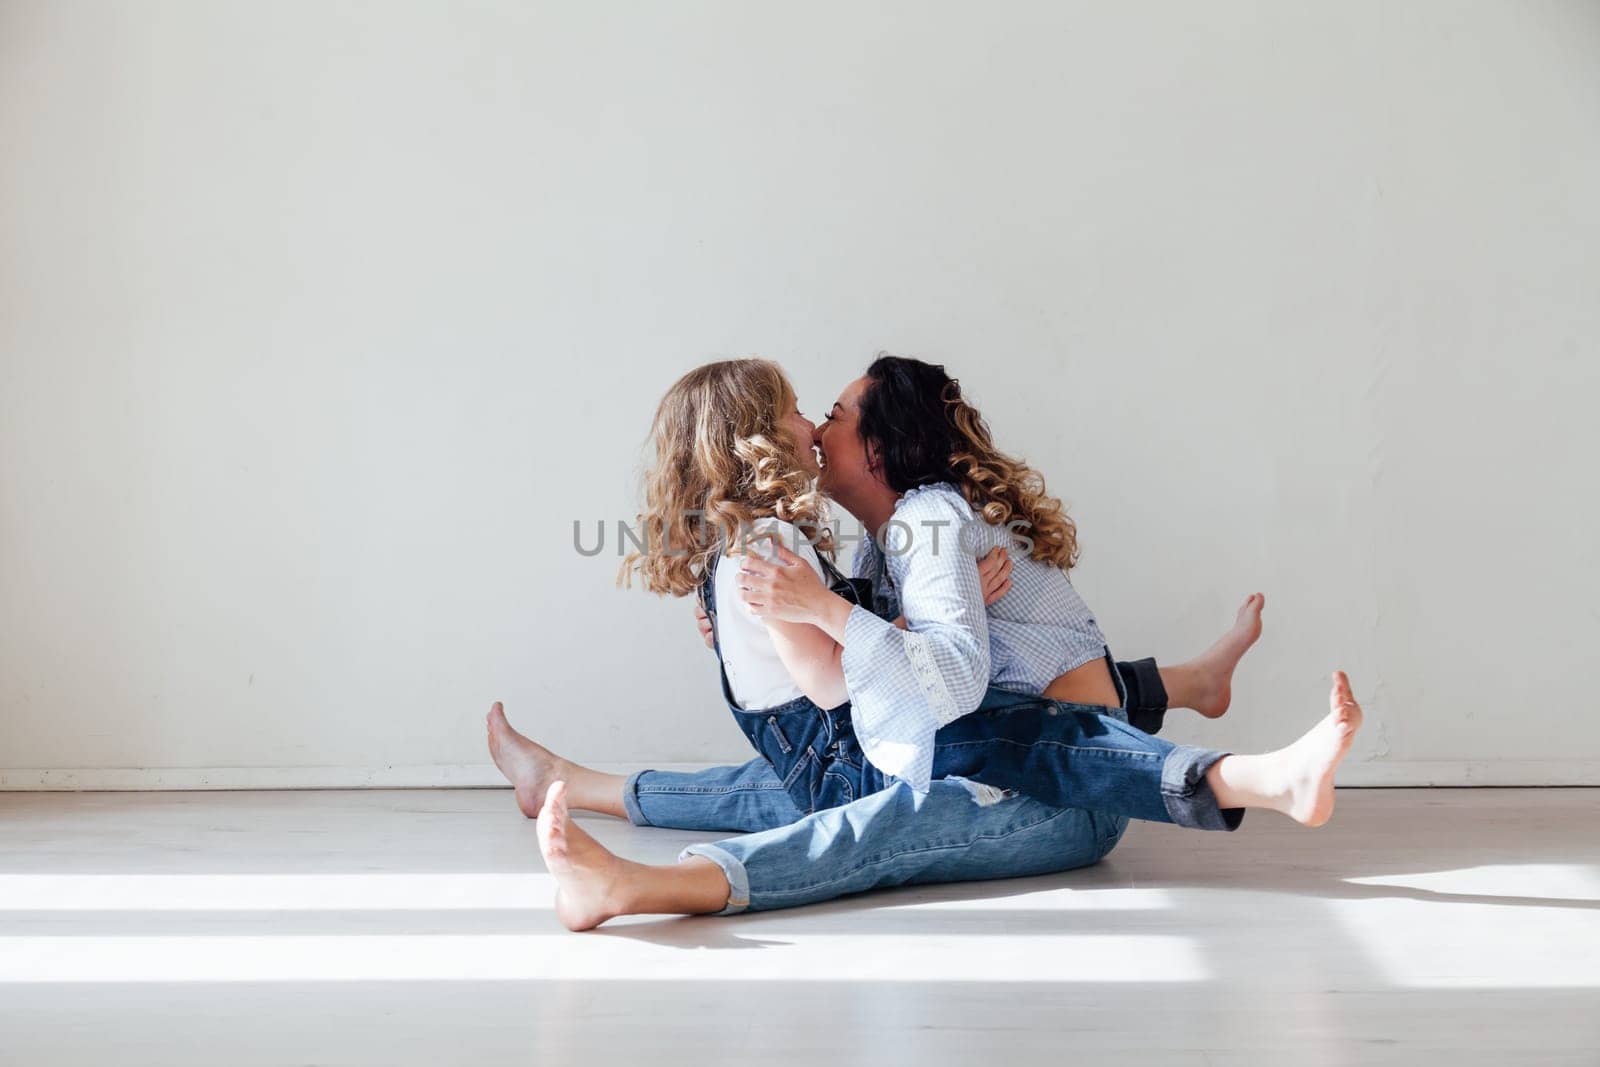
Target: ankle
{"points": [[1276, 781], [628, 890], [1251, 782], [1182, 684]]}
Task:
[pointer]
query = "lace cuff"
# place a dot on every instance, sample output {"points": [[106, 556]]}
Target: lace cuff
{"points": [[940, 702]]}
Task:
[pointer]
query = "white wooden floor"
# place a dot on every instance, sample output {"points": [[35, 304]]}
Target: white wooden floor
{"points": [[1421, 926]]}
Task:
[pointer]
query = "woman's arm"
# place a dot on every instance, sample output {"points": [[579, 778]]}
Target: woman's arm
{"points": [[812, 657], [994, 572]]}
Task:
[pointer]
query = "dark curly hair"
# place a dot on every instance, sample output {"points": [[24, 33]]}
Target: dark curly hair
{"points": [[923, 432]]}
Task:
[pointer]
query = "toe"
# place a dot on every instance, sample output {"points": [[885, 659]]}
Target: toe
{"points": [[1340, 694]]}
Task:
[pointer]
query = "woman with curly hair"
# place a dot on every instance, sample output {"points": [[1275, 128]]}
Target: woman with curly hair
{"points": [[1023, 701]]}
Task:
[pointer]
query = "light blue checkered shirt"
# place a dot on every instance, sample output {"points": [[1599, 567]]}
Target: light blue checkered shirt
{"points": [[905, 684]]}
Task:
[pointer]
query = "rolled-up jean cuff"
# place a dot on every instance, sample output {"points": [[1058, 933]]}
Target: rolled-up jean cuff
{"points": [[1144, 694], [1187, 795], [732, 870], [630, 800]]}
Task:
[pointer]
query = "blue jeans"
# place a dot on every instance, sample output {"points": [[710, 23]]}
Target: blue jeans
{"points": [[743, 799], [953, 833], [1065, 755], [751, 797], [1080, 756], [1056, 753], [956, 832]]}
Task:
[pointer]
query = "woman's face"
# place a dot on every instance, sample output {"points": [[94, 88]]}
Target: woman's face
{"points": [[803, 430], [845, 463]]}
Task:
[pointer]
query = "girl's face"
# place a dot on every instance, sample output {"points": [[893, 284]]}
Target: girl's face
{"points": [[803, 431]]}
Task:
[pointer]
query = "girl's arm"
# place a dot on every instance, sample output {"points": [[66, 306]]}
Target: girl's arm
{"points": [[812, 659]]}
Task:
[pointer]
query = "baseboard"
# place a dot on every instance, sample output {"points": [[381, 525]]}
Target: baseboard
{"points": [[478, 776], [1379, 774], [421, 776]]}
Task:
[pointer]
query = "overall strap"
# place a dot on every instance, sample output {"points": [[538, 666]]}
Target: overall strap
{"points": [[708, 601], [856, 590], [834, 574], [708, 595]]}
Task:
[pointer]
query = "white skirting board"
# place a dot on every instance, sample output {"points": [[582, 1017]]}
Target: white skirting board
{"points": [[471, 776]]}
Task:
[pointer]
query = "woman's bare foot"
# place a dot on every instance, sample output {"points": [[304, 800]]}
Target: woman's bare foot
{"points": [[586, 872], [1297, 780], [1312, 760], [1205, 683], [527, 765]]}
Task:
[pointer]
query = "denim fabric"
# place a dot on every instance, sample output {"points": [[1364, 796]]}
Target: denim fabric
{"points": [[1067, 755], [1059, 754], [745, 798], [1144, 694], [1187, 797], [1063, 754], [890, 835], [826, 768], [813, 752], [1072, 754], [752, 797], [897, 836]]}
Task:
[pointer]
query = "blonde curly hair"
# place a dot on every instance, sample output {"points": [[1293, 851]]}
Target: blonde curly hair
{"points": [[723, 459]]}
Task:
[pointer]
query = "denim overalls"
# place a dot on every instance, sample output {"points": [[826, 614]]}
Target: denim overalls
{"points": [[814, 750]]}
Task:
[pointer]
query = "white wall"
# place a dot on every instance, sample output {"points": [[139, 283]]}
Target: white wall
{"points": [[320, 324]]}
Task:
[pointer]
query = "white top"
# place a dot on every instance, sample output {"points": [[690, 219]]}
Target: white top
{"points": [[756, 675]]}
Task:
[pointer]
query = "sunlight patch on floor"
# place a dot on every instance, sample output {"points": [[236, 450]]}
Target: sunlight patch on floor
{"points": [[1556, 881], [783, 957], [1053, 900], [274, 892], [1498, 926]]}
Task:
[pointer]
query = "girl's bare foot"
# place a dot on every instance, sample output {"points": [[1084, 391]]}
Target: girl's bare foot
{"points": [[1207, 680], [586, 873], [528, 766]]}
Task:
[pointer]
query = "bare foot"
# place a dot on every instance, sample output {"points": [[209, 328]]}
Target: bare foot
{"points": [[1209, 676], [586, 873], [528, 766], [1310, 762]]}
